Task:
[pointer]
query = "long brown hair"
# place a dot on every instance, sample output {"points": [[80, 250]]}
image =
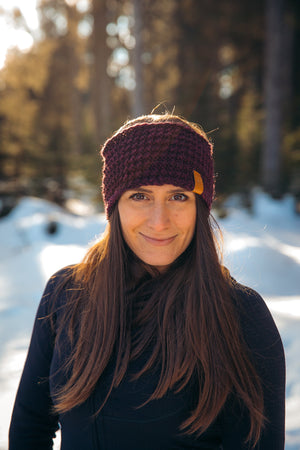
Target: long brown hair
{"points": [[191, 314]]}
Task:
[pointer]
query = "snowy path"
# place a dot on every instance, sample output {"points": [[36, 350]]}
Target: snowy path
{"points": [[262, 250]]}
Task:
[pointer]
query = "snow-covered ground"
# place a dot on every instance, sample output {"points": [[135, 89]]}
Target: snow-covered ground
{"points": [[262, 250]]}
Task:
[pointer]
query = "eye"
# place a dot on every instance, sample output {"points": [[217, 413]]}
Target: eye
{"points": [[179, 197], [138, 196]]}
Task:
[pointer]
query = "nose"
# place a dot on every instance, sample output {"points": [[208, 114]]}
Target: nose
{"points": [[159, 217]]}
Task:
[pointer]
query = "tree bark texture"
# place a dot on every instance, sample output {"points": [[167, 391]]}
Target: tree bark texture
{"points": [[138, 106], [271, 155], [101, 85]]}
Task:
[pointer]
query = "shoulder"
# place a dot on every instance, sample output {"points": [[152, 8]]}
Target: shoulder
{"points": [[55, 292], [265, 350], [256, 321], [60, 276], [248, 301]]}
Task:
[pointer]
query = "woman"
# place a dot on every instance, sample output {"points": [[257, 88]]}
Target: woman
{"points": [[149, 343]]}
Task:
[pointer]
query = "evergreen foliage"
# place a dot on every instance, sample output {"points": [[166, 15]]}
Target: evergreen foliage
{"points": [[93, 67]]}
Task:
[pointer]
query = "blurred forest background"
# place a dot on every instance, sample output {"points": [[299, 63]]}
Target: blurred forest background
{"points": [[231, 66]]}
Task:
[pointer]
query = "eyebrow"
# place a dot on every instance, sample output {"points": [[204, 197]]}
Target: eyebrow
{"points": [[171, 191]]}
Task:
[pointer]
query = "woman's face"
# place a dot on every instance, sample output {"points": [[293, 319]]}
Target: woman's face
{"points": [[158, 222]]}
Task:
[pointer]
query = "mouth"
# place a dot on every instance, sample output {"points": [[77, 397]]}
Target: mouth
{"points": [[158, 242]]}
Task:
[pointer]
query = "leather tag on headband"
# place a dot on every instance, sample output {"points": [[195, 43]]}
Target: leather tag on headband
{"points": [[199, 188]]}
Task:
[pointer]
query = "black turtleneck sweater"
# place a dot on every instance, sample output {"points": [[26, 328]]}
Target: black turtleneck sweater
{"points": [[122, 425]]}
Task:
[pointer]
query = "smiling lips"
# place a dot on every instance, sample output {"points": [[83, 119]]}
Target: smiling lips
{"points": [[158, 242]]}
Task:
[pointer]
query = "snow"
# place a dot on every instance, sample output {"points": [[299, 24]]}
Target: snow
{"points": [[262, 250]]}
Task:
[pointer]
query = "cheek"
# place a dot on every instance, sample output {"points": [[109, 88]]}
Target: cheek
{"points": [[126, 232], [124, 226], [190, 230], [129, 222], [123, 221], [188, 222]]}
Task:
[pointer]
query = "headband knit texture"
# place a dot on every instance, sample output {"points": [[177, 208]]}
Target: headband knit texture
{"points": [[155, 153]]}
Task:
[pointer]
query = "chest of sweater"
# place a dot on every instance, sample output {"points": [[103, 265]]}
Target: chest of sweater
{"points": [[126, 422]]}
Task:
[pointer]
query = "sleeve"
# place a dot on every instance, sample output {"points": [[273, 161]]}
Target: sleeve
{"points": [[265, 345], [33, 423]]}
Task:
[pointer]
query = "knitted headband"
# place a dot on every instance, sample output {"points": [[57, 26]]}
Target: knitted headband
{"points": [[155, 154]]}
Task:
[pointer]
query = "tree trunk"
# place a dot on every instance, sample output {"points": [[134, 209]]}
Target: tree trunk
{"points": [[271, 157], [138, 106], [73, 67], [101, 85]]}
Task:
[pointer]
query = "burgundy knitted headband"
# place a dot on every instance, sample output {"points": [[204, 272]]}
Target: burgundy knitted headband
{"points": [[156, 153]]}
